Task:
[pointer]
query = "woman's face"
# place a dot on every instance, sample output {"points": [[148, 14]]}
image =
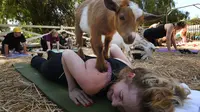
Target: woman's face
{"points": [[124, 96], [64, 35], [55, 35], [17, 34]]}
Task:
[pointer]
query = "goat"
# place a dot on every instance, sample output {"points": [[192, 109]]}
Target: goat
{"points": [[105, 17], [139, 49]]}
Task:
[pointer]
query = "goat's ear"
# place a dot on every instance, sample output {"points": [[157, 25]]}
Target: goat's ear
{"points": [[140, 20], [111, 5], [149, 16]]}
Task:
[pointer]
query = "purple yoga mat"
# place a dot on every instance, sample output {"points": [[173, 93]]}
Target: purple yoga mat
{"points": [[165, 50], [173, 50]]}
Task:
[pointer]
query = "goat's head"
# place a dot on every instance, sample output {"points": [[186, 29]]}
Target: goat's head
{"points": [[127, 17]]}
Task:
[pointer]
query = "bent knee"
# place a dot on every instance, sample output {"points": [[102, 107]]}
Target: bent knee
{"points": [[114, 46], [67, 52]]}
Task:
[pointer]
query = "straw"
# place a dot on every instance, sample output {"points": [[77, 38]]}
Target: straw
{"points": [[19, 95]]}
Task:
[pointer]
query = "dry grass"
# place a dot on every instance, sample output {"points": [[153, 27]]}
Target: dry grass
{"points": [[19, 95]]}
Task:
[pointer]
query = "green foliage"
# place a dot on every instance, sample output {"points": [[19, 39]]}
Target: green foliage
{"points": [[194, 21], [162, 7], [61, 12], [38, 12]]}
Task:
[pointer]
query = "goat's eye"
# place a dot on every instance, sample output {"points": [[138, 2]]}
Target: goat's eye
{"points": [[121, 17]]}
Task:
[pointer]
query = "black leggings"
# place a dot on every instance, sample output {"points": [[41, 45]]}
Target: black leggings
{"points": [[43, 43], [51, 68]]}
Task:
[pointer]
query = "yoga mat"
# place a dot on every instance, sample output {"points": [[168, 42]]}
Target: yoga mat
{"points": [[61, 50], [173, 50], [17, 55], [56, 51], [164, 50], [59, 94]]}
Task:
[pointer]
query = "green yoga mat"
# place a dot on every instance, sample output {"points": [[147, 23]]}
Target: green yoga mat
{"points": [[59, 94]]}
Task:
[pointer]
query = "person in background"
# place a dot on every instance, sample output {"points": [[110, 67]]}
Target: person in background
{"points": [[164, 30], [12, 41], [183, 35], [69, 43], [48, 40], [63, 41]]}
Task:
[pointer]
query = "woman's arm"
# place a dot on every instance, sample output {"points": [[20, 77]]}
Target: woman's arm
{"points": [[116, 52], [169, 30], [74, 68], [58, 45], [48, 46], [173, 40], [61, 46], [70, 80]]}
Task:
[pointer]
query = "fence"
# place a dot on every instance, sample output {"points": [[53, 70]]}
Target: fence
{"points": [[193, 32], [68, 30]]}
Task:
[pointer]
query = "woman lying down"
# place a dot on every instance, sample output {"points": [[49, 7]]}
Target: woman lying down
{"points": [[130, 90]]}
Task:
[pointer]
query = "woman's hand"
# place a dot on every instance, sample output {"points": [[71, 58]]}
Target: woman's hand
{"points": [[48, 50], [79, 97]]}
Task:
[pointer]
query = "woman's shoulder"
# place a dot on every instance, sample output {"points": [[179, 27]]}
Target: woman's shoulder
{"points": [[123, 61], [169, 26], [48, 36]]}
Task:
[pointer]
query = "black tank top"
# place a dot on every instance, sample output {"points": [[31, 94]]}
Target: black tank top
{"points": [[116, 66], [155, 33]]}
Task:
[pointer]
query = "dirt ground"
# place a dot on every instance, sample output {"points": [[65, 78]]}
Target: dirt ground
{"points": [[19, 95]]}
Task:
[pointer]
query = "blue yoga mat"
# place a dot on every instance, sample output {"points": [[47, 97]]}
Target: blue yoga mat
{"points": [[56, 51], [61, 50], [18, 55]]}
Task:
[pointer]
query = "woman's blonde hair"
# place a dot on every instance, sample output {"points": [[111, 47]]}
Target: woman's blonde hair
{"points": [[53, 32], [157, 94]]}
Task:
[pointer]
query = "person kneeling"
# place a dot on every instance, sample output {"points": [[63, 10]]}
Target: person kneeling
{"points": [[12, 41], [48, 40], [65, 41]]}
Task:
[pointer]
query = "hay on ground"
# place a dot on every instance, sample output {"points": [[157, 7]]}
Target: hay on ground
{"points": [[19, 95]]}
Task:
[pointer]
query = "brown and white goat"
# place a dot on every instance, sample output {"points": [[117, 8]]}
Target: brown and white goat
{"points": [[139, 49], [105, 17]]}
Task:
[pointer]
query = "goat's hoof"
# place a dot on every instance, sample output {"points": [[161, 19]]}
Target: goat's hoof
{"points": [[102, 68], [106, 55], [81, 54]]}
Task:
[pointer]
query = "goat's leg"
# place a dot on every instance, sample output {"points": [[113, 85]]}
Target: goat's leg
{"points": [[107, 41], [79, 40], [93, 46], [97, 46]]}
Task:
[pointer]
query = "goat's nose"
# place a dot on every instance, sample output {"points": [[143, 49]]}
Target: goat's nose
{"points": [[131, 39]]}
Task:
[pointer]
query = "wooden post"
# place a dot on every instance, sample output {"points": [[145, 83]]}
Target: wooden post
{"points": [[61, 27]]}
